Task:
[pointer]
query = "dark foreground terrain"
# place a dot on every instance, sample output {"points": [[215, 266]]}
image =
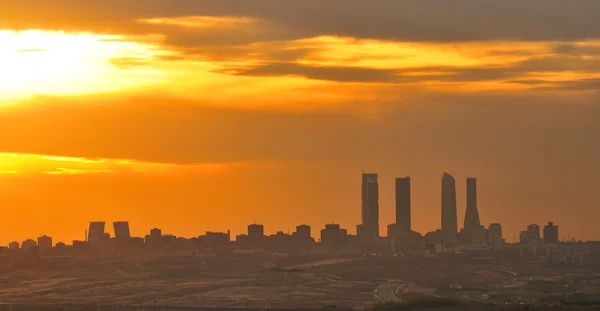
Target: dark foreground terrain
{"points": [[261, 281]]}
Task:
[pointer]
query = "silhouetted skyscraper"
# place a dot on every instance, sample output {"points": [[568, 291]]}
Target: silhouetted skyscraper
{"points": [[551, 233], [403, 217], [449, 218], [121, 230], [370, 207], [472, 213], [96, 231], [496, 235]]}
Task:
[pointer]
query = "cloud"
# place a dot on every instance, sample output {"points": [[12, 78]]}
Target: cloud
{"points": [[402, 20], [430, 74], [330, 73], [167, 130]]}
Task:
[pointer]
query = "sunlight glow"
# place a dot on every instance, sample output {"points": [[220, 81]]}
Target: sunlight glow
{"points": [[58, 63]]}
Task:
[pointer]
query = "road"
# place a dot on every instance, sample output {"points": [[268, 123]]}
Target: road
{"points": [[387, 293]]}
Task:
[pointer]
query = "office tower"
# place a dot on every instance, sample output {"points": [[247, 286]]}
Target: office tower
{"points": [[303, 231], [550, 233], [496, 235], [449, 218], [96, 231], [403, 219], [44, 242], [121, 230], [472, 213], [255, 230], [370, 207]]}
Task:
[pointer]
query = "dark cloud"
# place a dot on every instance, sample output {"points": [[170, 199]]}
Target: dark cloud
{"points": [[412, 20], [330, 73], [360, 74], [577, 49], [512, 73], [592, 84]]}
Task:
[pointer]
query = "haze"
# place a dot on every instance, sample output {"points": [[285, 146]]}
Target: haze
{"points": [[208, 115]]}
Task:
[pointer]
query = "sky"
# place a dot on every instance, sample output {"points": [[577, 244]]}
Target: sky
{"points": [[208, 115]]}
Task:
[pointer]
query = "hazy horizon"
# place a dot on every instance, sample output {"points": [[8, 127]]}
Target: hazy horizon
{"points": [[208, 115]]}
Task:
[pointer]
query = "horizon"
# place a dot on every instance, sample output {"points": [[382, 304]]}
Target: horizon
{"points": [[314, 230], [203, 115]]}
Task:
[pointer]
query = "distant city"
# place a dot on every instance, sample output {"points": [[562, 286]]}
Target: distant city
{"points": [[400, 238]]}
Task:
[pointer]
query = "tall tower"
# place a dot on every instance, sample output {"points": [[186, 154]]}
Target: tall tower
{"points": [[472, 213], [449, 219], [121, 230], [96, 231], [403, 217], [370, 206]]}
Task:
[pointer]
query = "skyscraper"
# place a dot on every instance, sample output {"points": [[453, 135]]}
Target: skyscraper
{"points": [[370, 207], [472, 213], [496, 235], [449, 218], [551, 233], [96, 231], [403, 217], [121, 230]]}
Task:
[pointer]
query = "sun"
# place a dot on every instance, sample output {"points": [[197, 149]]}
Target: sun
{"points": [[58, 63]]}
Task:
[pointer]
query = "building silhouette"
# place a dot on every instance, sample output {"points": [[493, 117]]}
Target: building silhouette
{"points": [[28, 244], [14, 245], [403, 208], [303, 232], [472, 220], [530, 235], [96, 231], [370, 207], [333, 236], [156, 233], [495, 235], [44, 242], [155, 237], [215, 238], [121, 230], [449, 218], [255, 230], [550, 233]]}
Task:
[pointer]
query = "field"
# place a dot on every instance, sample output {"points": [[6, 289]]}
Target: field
{"points": [[265, 281]]}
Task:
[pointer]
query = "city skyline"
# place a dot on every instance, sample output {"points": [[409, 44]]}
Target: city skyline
{"points": [[299, 154], [450, 231], [208, 114]]}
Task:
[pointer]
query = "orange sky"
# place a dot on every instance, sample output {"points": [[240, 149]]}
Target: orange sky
{"points": [[209, 115]]}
